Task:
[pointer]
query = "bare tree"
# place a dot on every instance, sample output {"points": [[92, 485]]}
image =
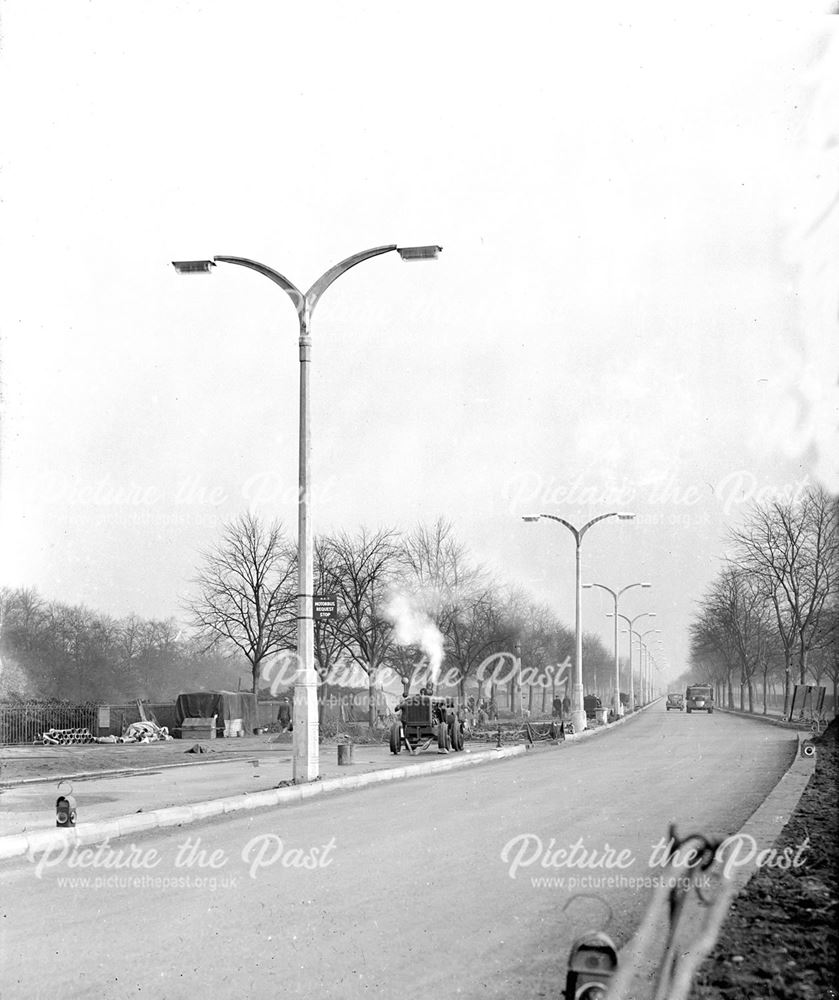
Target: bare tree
{"points": [[327, 581], [740, 609], [127, 635], [712, 650], [329, 646], [734, 632], [246, 592], [52, 649], [365, 567], [598, 667], [406, 662], [437, 573], [156, 655], [438, 563], [21, 614], [770, 658], [23, 611], [482, 622], [791, 548], [830, 659], [459, 596], [437, 570], [72, 622], [545, 643]]}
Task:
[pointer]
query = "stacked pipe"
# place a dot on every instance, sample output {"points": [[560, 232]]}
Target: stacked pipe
{"points": [[66, 737]]}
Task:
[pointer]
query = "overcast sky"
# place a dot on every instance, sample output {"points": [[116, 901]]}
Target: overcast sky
{"points": [[631, 312]]}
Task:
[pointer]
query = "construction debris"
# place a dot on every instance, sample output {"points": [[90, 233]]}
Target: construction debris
{"points": [[146, 714], [137, 732], [66, 737], [145, 732], [530, 732]]}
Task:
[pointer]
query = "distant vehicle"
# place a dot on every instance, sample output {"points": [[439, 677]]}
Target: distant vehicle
{"points": [[699, 698], [676, 701], [590, 703]]}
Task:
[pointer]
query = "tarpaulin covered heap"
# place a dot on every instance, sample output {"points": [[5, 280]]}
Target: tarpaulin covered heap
{"points": [[227, 706]]}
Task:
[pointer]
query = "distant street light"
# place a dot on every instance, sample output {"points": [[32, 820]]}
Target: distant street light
{"points": [[305, 735], [656, 687], [660, 649], [617, 708], [578, 714], [630, 622], [646, 678], [641, 647]]}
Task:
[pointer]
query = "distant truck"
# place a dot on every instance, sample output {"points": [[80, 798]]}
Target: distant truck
{"points": [[699, 698]]}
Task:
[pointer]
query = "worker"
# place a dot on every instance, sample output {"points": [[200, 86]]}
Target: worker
{"points": [[284, 715]]}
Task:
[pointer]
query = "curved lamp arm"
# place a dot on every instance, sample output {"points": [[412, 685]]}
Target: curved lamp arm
{"points": [[325, 280], [602, 586], [577, 534], [297, 297], [594, 520], [305, 304], [631, 621]]}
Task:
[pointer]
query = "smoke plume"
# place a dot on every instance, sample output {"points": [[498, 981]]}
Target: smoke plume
{"points": [[413, 626]]}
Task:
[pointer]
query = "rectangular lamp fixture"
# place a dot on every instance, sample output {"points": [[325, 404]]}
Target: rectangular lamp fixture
{"points": [[418, 253], [192, 266]]}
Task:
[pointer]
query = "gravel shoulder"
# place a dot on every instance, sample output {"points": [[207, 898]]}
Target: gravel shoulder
{"points": [[27, 762]]}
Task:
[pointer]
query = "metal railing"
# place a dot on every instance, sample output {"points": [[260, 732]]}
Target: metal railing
{"points": [[27, 721]]}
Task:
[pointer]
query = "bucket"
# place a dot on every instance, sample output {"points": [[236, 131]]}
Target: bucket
{"points": [[345, 753]]}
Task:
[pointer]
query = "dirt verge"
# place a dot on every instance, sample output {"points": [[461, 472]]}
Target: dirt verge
{"points": [[780, 940]]}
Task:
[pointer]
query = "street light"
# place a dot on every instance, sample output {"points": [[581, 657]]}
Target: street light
{"points": [[641, 648], [654, 685], [305, 748], [630, 622], [646, 676], [578, 714], [646, 656], [659, 647], [617, 708]]}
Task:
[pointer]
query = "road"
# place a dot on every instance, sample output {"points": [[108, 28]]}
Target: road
{"points": [[391, 889]]}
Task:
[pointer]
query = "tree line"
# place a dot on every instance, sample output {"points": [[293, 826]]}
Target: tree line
{"points": [[49, 649], [412, 603], [770, 616]]}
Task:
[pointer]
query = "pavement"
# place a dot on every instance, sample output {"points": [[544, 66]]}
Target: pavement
{"points": [[127, 801]]}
